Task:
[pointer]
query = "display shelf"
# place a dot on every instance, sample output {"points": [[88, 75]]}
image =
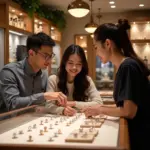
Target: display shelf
{"points": [[15, 19], [55, 34], [141, 41], [140, 38], [82, 40], [19, 19], [41, 25], [140, 31]]}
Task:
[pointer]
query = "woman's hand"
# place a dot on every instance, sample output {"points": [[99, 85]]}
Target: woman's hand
{"points": [[68, 111], [92, 110]]}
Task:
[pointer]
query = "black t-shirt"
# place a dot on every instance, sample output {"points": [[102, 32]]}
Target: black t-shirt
{"points": [[132, 84]]}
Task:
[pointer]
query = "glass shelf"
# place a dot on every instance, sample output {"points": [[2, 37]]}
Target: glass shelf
{"points": [[55, 34], [140, 31], [41, 25], [19, 19]]}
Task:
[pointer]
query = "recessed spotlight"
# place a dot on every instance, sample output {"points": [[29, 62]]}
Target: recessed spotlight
{"points": [[13, 10], [113, 6], [85, 51], [41, 22], [81, 37], [133, 22], [20, 14], [141, 5], [111, 2]]}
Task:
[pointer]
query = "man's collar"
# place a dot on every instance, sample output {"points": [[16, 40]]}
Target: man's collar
{"points": [[28, 69]]}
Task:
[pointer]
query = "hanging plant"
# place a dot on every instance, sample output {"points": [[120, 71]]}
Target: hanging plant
{"points": [[57, 17], [30, 6]]}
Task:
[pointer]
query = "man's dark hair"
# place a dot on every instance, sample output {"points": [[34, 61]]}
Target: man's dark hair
{"points": [[35, 41]]}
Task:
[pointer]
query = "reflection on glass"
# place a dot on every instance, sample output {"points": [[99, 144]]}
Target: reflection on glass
{"points": [[104, 75], [56, 59]]}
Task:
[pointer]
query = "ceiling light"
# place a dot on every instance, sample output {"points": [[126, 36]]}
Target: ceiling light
{"points": [[81, 37], [111, 2], [113, 6], [141, 5], [78, 8], [20, 14], [41, 22], [13, 10], [91, 26]]}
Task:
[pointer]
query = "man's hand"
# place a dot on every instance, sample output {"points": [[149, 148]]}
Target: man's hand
{"points": [[68, 111], [59, 96]]}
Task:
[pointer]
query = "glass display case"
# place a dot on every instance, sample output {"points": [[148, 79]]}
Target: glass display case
{"points": [[55, 34], [104, 75], [82, 41], [34, 128], [56, 59]]}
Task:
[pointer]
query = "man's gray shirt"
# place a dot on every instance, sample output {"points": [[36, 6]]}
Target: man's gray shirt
{"points": [[20, 86]]}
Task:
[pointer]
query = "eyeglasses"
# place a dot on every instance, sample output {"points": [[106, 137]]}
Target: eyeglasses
{"points": [[47, 57]]}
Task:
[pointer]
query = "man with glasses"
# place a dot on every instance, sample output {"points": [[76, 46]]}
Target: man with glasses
{"points": [[24, 83]]}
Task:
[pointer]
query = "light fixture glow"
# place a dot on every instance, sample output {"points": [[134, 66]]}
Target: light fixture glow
{"points": [[91, 26], [78, 8], [111, 2], [141, 5], [113, 6]]}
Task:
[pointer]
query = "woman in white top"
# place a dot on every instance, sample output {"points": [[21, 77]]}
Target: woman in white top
{"points": [[73, 80]]}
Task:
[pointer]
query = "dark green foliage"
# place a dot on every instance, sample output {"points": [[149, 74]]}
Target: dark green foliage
{"points": [[57, 17]]}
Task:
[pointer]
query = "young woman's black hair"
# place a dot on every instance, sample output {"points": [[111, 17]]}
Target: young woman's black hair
{"points": [[81, 82]]}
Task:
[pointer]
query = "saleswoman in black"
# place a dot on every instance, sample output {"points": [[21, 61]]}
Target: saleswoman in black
{"points": [[131, 87]]}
